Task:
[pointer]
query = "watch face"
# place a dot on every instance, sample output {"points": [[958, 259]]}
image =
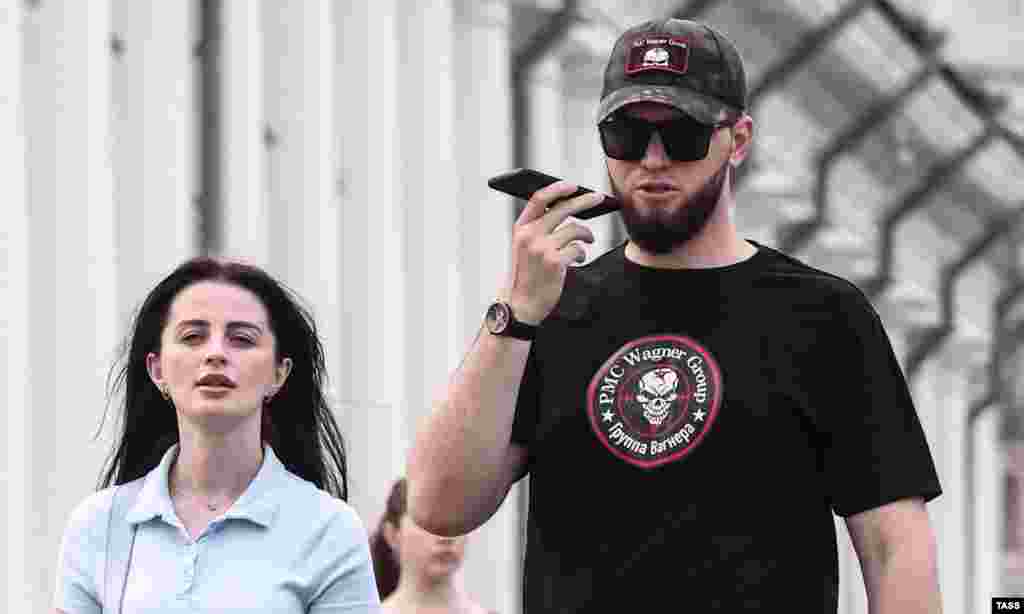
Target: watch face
{"points": [[498, 317]]}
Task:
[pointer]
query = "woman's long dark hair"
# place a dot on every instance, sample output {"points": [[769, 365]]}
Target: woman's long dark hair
{"points": [[297, 423], [385, 563]]}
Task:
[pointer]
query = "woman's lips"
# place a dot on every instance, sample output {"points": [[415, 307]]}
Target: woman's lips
{"points": [[447, 557]]}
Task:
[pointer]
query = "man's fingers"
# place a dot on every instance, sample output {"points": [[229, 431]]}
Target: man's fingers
{"points": [[571, 232], [562, 210], [573, 253], [543, 198]]}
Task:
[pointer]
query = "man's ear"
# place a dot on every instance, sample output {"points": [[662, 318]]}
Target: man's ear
{"points": [[742, 138]]}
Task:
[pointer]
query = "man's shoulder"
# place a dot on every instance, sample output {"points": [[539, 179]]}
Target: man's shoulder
{"points": [[772, 270], [782, 270]]}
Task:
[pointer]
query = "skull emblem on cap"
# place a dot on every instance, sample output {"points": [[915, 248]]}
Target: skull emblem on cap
{"points": [[656, 56]]}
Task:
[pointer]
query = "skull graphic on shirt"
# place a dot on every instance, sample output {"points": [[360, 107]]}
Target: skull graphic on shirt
{"points": [[657, 390]]}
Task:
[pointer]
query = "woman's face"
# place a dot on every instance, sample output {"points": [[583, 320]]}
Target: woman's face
{"points": [[217, 356], [430, 556]]}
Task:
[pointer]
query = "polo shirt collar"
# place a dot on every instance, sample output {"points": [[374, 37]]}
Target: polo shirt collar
{"points": [[258, 503]]}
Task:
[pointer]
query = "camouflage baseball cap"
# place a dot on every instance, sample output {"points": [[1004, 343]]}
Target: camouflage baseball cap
{"points": [[684, 64]]}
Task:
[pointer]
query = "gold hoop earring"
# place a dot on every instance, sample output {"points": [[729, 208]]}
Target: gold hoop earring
{"points": [[163, 392]]}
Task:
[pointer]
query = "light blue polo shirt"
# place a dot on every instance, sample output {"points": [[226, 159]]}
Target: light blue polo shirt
{"points": [[284, 546]]}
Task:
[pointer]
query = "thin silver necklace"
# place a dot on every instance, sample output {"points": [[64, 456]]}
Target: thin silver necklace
{"points": [[213, 507]]}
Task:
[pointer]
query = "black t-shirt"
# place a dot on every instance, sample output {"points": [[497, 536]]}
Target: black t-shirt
{"points": [[690, 433]]}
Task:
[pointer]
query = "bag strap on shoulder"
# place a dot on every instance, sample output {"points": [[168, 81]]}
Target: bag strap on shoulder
{"points": [[120, 542]]}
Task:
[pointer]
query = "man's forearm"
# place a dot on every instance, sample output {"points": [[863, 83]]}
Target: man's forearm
{"points": [[906, 582], [456, 464]]}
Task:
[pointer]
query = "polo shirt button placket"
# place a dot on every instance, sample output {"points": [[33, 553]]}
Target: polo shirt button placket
{"points": [[190, 568]]}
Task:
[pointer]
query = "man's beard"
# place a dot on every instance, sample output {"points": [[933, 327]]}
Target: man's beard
{"points": [[659, 230]]}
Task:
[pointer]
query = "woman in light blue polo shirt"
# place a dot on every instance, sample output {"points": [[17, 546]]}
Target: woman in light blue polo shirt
{"points": [[229, 467]]}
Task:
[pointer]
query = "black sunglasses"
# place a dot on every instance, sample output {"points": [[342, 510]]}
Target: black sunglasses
{"points": [[625, 137]]}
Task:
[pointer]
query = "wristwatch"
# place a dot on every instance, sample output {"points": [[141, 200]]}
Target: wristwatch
{"points": [[501, 321]]}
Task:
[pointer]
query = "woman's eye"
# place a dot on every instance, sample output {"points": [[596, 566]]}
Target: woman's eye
{"points": [[190, 337], [244, 340]]}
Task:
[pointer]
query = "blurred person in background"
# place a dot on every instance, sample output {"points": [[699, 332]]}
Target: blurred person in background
{"points": [[225, 490], [417, 571], [691, 407]]}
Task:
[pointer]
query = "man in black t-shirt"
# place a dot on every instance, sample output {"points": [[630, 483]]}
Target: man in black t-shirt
{"points": [[692, 407]]}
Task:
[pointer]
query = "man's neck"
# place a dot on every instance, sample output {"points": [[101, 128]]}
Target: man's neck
{"points": [[718, 244], [712, 248]]}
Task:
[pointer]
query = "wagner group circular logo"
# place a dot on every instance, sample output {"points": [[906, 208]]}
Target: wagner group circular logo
{"points": [[655, 399]]}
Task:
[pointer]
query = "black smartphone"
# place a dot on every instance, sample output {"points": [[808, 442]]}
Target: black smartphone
{"points": [[523, 182]]}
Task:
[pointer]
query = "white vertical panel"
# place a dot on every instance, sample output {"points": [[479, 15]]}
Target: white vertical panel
{"points": [[14, 316], [989, 512], [247, 229], [545, 92], [935, 391], [301, 196], [853, 598], [426, 90], [931, 389], [373, 386], [483, 149], [585, 159], [73, 278], [947, 374], [153, 145], [942, 395]]}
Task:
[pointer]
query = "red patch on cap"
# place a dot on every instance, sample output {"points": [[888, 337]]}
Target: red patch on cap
{"points": [[657, 52]]}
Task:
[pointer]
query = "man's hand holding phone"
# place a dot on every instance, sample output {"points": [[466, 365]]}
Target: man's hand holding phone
{"points": [[543, 248]]}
